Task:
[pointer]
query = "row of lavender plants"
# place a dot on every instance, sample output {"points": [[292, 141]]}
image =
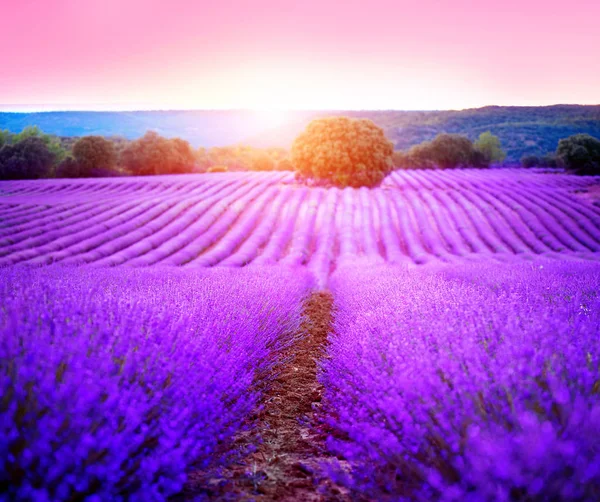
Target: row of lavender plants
{"points": [[116, 382], [475, 382], [232, 220]]}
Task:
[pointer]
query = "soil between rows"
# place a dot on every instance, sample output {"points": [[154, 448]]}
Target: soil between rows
{"points": [[286, 463]]}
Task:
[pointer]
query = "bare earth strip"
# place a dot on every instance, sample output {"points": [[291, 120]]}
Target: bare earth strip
{"points": [[286, 464]]}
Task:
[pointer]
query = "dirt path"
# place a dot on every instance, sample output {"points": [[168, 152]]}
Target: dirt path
{"points": [[285, 466]]}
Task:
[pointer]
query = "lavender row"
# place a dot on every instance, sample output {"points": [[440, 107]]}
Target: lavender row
{"points": [[94, 187], [73, 220], [115, 382], [416, 217], [473, 382]]}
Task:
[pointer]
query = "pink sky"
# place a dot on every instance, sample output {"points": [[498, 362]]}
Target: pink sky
{"points": [[303, 54]]}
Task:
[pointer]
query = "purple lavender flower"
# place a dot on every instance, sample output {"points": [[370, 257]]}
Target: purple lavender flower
{"points": [[468, 382], [114, 382]]}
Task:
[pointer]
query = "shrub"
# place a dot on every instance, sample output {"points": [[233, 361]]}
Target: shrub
{"points": [[580, 153], [224, 156], [154, 154], [27, 159], [479, 159], [94, 153], [489, 147], [70, 168], [445, 151], [450, 151], [343, 151], [285, 165], [549, 160], [530, 161], [419, 157], [240, 158], [262, 162], [217, 169]]}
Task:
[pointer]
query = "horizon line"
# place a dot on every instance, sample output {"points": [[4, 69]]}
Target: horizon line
{"points": [[65, 108]]}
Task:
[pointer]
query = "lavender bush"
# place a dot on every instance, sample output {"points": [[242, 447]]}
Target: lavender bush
{"points": [[113, 382], [467, 382]]}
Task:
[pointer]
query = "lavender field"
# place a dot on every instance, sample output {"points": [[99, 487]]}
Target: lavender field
{"points": [[468, 382], [264, 218], [145, 321]]}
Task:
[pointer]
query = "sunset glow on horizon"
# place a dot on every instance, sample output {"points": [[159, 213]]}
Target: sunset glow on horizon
{"points": [[279, 55]]}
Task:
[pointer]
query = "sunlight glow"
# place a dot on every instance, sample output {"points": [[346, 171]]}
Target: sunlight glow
{"points": [[271, 117], [267, 55]]}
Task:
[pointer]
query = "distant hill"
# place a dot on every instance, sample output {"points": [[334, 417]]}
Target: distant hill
{"points": [[522, 130], [200, 128]]}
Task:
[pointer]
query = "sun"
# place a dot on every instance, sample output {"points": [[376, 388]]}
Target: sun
{"points": [[271, 117]]}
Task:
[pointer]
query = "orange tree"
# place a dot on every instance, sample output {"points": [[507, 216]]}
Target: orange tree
{"points": [[343, 151]]}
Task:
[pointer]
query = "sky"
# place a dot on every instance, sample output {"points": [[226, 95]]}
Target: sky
{"points": [[302, 54]]}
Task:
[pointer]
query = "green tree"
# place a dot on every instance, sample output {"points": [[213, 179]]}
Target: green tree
{"points": [[5, 137], [449, 151], [52, 142], [489, 146], [580, 154], [343, 151], [30, 158], [94, 154]]}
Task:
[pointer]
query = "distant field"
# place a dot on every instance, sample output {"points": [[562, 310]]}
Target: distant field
{"points": [[238, 219]]}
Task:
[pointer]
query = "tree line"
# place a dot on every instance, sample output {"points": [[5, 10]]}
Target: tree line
{"points": [[346, 151], [448, 151], [579, 154], [32, 154]]}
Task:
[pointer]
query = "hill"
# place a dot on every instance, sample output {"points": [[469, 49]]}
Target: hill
{"points": [[522, 130], [201, 128]]}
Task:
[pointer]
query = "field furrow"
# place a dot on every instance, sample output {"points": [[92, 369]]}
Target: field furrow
{"points": [[237, 219]]}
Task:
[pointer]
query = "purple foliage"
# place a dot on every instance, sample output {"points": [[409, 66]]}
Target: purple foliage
{"points": [[473, 377], [470, 382], [256, 218], [113, 382]]}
